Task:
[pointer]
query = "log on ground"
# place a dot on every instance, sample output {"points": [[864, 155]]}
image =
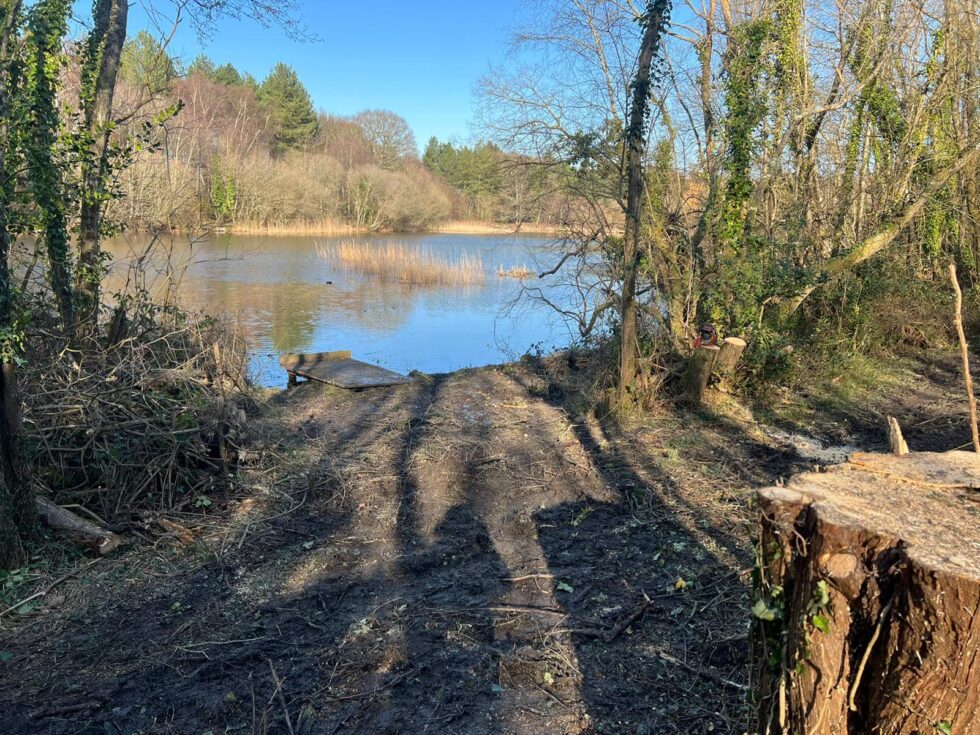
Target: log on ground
{"points": [[866, 619], [62, 519]]}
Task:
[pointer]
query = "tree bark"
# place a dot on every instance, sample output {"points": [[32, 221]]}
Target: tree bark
{"points": [[866, 617], [654, 20], [698, 372], [100, 68], [731, 352]]}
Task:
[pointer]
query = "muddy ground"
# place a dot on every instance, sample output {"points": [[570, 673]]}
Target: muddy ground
{"points": [[465, 554]]}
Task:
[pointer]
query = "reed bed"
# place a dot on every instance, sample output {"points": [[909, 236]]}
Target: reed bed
{"points": [[402, 263], [322, 226], [477, 227], [520, 272]]}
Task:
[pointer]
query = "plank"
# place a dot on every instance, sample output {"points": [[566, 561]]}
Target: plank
{"points": [[339, 369]]}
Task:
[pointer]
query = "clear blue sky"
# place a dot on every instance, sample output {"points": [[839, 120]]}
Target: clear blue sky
{"points": [[420, 58]]}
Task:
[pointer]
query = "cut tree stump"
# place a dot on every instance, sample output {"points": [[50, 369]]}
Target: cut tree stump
{"points": [[730, 352], [698, 372], [867, 617]]}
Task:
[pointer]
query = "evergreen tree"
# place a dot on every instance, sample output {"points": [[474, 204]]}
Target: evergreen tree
{"points": [[201, 65], [146, 63], [228, 75], [288, 104]]}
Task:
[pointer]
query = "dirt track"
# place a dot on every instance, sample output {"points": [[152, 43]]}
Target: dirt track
{"points": [[463, 557]]}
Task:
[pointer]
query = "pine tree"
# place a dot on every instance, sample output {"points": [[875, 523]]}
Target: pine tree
{"points": [[201, 65], [287, 102], [146, 63], [228, 75]]}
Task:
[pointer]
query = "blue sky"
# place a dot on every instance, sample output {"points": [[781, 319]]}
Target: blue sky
{"points": [[420, 58]]}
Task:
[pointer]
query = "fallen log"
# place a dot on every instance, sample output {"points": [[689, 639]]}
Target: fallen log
{"points": [[698, 372], [62, 519], [869, 587]]}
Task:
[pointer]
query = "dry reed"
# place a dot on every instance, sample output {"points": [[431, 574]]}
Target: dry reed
{"points": [[401, 263], [477, 227], [323, 226], [520, 272]]}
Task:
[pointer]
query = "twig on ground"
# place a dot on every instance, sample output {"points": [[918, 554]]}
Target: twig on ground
{"points": [[282, 697], [50, 587], [628, 621], [702, 673]]}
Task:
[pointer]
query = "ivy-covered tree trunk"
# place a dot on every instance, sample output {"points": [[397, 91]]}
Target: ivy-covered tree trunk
{"points": [[16, 500], [48, 24], [99, 70], [654, 21]]}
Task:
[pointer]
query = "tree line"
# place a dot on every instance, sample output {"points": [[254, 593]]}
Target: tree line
{"points": [[250, 153]]}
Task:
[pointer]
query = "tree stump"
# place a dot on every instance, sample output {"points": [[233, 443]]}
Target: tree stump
{"points": [[728, 357], [869, 595], [698, 372]]}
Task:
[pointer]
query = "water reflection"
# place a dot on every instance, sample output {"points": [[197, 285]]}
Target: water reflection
{"points": [[290, 299]]}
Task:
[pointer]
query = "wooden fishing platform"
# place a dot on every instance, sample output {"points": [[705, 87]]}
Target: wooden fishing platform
{"points": [[338, 368]]}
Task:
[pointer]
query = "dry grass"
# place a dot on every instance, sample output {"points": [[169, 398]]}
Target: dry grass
{"points": [[401, 263], [333, 226], [322, 226], [520, 272]]}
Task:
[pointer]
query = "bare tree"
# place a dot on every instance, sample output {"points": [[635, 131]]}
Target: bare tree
{"points": [[390, 136]]}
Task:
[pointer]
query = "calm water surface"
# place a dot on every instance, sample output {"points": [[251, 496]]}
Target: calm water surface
{"points": [[289, 299]]}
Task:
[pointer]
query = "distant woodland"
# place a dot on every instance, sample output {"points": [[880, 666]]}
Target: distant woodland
{"points": [[243, 153]]}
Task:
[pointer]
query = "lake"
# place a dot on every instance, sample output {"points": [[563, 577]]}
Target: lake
{"points": [[290, 298]]}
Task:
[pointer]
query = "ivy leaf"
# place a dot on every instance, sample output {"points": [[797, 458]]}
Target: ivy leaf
{"points": [[944, 727], [822, 595], [821, 623], [763, 612]]}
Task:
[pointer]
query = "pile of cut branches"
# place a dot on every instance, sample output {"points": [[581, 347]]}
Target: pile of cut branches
{"points": [[149, 422]]}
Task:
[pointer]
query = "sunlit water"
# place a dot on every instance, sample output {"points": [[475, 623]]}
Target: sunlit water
{"points": [[289, 299]]}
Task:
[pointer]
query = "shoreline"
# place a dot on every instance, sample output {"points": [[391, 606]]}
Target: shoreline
{"points": [[335, 229]]}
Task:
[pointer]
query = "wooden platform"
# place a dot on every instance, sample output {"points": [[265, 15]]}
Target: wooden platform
{"points": [[338, 368]]}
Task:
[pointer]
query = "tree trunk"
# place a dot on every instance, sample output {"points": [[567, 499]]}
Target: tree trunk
{"points": [[654, 20], [17, 513], [698, 372], [866, 622], [100, 67], [731, 351]]}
